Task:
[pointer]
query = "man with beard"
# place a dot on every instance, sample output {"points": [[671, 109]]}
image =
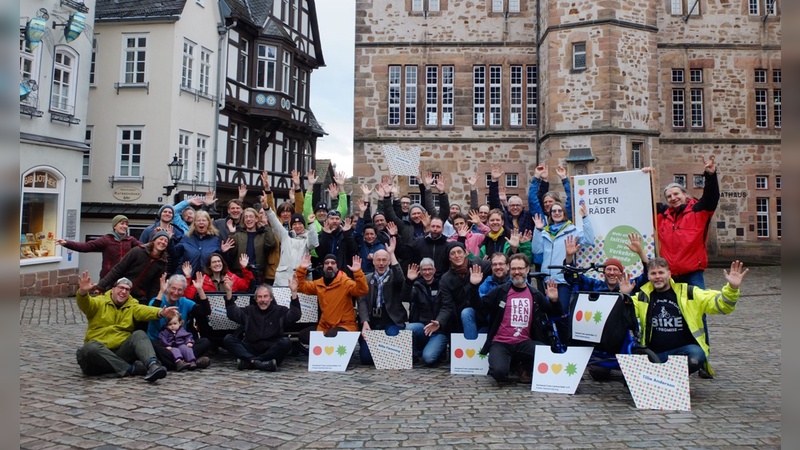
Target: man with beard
{"points": [[337, 238], [518, 319], [613, 272], [473, 322], [335, 292], [224, 224], [432, 245], [264, 344]]}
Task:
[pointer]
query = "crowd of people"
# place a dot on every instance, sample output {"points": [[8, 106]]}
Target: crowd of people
{"points": [[391, 264]]}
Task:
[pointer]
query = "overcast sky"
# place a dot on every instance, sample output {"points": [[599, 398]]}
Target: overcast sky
{"points": [[332, 85]]}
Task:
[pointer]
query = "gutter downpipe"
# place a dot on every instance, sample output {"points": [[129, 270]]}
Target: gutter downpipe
{"points": [[539, 120]]}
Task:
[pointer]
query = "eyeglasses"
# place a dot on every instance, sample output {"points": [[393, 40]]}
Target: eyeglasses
{"points": [[515, 205], [405, 203], [123, 288], [557, 210]]}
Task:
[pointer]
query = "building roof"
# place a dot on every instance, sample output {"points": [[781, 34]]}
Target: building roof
{"points": [[131, 210], [130, 9], [315, 125]]}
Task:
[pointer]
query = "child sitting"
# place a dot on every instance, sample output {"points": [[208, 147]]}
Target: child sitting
{"points": [[180, 342]]}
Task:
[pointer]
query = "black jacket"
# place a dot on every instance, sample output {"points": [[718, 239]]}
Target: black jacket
{"points": [[262, 328], [392, 298], [424, 299], [454, 293]]}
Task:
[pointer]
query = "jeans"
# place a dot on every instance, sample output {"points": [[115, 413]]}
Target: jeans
{"points": [[243, 350], [470, 322], [696, 356], [501, 356], [363, 350], [97, 359], [431, 346], [695, 278]]}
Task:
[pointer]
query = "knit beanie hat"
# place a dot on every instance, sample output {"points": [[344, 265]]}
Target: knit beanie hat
{"points": [[415, 205], [159, 234], [330, 256], [453, 244], [296, 217], [615, 262], [117, 219], [160, 210]]}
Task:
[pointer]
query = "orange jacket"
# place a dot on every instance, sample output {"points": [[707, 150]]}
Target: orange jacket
{"points": [[335, 299]]}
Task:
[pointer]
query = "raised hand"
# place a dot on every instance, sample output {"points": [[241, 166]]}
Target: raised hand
{"points": [[391, 227], [527, 236], [195, 201], [513, 241], [497, 172], [311, 218], [210, 197], [356, 266], [709, 166], [625, 284], [736, 275], [244, 260], [227, 281], [571, 245], [562, 172], [395, 190], [379, 189], [428, 179], [362, 206], [473, 180], [296, 179], [635, 244], [340, 178], [293, 285], [305, 262], [227, 245], [391, 245], [347, 224], [413, 272], [85, 282], [475, 274], [162, 284], [231, 227], [551, 290], [333, 190], [501, 191], [186, 268], [426, 221], [311, 177], [198, 281], [242, 191], [366, 190], [584, 210], [474, 217], [462, 230], [264, 199], [545, 173], [441, 184], [538, 221], [265, 180], [538, 171]]}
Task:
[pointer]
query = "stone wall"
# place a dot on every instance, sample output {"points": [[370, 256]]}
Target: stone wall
{"points": [[53, 283]]}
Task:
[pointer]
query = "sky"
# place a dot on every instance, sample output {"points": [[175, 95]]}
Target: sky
{"points": [[332, 85]]}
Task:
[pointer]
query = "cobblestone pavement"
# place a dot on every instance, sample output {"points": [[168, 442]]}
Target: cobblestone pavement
{"points": [[365, 408]]}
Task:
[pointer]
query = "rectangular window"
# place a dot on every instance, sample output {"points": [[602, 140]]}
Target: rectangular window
{"points": [[532, 95], [205, 71], [244, 52], [411, 95], [777, 182], [776, 76], [636, 155], [135, 59], [760, 76], [762, 217], [676, 7], [28, 66], [776, 108], [678, 108], [699, 181], [497, 6], [696, 75], [694, 7], [512, 180], [413, 181], [93, 62], [267, 66], [244, 150], [495, 96], [184, 150], [488, 177], [301, 93], [394, 95], [677, 76], [778, 217], [513, 6], [448, 75], [479, 96], [579, 56], [433, 5], [696, 97], [762, 182], [515, 114], [431, 95], [130, 152], [680, 179], [287, 72], [201, 154], [63, 89], [233, 138], [415, 198], [761, 108], [753, 7], [87, 155], [417, 5], [187, 68]]}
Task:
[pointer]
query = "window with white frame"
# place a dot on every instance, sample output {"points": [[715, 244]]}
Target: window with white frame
{"points": [[287, 72], [479, 96], [415, 198], [678, 76], [509, 6], [425, 5], [187, 65], [394, 95], [431, 95], [762, 217], [135, 59], [62, 93], [130, 142], [767, 89], [267, 66], [411, 96], [205, 71], [695, 75], [776, 108], [680, 179], [762, 182], [28, 61], [184, 153], [93, 63], [755, 7], [495, 96], [244, 149], [532, 96], [448, 77], [244, 58], [515, 100], [778, 217], [233, 143], [88, 137], [761, 108], [699, 181], [677, 7], [40, 214], [636, 155], [413, 181], [302, 92], [201, 156], [696, 105], [579, 56], [497, 6], [512, 180], [488, 177], [678, 108], [777, 182]]}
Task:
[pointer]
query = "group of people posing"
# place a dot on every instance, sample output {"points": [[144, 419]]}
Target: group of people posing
{"points": [[391, 265]]}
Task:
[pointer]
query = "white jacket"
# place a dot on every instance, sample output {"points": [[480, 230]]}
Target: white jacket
{"points": [[293, 248]]}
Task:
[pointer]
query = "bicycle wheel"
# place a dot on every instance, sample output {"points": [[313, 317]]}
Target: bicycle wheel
{"points": [[651, 355]]}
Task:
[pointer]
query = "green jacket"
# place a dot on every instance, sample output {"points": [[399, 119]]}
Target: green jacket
{"points": [[703, 301], [308, 209], [110, 325]]}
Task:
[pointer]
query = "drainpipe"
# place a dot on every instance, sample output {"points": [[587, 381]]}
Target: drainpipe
{"points": [[539, 80]]}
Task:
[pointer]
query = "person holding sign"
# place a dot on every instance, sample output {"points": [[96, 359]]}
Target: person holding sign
{"points": [[518, 319], [550, 241], [671, 313]]}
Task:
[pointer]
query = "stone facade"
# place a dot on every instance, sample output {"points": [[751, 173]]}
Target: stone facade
{"points": [[54, 283], [620, 102]]}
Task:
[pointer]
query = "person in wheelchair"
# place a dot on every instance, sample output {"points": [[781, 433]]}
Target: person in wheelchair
{"points": [[672, 313], [613, 272]]}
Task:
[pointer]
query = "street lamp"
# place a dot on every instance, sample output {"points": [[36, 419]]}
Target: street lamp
{"points": [[175, 172]]}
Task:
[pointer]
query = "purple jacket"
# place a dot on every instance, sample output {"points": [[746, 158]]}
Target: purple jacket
{"points": [[176, 339]]}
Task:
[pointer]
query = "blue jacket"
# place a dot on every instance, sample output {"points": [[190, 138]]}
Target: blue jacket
{"points": [[525, 220], [177, 220], [184, 306], [196, 250], [535, 203], [490, 283], [552, 246]]}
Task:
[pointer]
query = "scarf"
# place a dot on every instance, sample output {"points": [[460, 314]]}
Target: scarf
{"points": [[495, 236], [117, 236], [555, 228], [462, 269], [379, 279]]}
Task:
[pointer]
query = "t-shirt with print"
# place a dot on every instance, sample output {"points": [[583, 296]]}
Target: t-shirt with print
{"points": [[666, 321], [515, 327]]}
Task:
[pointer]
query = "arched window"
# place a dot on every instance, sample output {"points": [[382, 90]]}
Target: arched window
{"points": [[40, 215], [65, 72]]}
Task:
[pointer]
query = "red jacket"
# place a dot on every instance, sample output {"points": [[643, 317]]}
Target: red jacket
{"points": [[682, 233], [240, 284], [113, 250]]}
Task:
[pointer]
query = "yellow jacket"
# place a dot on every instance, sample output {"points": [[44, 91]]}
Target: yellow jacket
{"points": [[703, 301], [111, 325]]}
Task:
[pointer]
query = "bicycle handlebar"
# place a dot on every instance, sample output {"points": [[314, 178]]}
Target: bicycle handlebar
{"points": [[575, 269]]}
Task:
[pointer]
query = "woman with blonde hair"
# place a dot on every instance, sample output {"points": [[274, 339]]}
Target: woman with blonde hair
{"points": [[200, 242]]}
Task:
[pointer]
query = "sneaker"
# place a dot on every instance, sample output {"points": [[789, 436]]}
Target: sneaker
{"points": [[155, 372], [525, 377], [137, 368], [182, 365], [243, 364], [266, 366], [702, 373], [193, 365], [203, 362]]}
